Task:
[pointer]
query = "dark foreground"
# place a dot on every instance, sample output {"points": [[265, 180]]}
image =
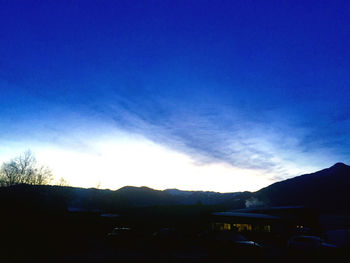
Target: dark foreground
{"points": [[83, 237], [39, 227]]}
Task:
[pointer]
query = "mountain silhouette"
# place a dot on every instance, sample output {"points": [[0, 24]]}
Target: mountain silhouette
{"points": [[326, 190]]}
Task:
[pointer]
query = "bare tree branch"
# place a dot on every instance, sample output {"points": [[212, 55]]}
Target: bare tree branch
{"points": [[24, 169]]}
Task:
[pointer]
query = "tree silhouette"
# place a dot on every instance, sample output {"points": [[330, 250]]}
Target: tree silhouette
{"points": [[24, 169], [62, 182]]}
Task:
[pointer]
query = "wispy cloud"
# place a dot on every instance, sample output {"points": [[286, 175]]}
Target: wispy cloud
{"points": [[216, 134]]}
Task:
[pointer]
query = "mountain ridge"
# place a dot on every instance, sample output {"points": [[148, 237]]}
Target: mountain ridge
{"points": [[324, 189]]}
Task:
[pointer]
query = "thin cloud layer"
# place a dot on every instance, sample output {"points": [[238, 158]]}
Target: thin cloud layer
{"points": [[224, 135]]}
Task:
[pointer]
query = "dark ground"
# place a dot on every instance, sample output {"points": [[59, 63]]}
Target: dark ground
{"points": [[37, 227], [82, 237]]}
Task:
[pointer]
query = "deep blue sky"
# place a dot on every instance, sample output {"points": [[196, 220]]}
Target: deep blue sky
{"points": [[258, 85]]}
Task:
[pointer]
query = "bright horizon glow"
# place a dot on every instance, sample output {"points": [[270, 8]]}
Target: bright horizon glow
{"points": [[117, 163], [120, 159]]}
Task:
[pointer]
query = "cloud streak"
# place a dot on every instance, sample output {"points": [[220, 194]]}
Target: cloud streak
{"points": [[217, 134]]}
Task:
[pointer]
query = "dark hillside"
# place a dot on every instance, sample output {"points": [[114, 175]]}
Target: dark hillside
{"points": [[327, 190]]}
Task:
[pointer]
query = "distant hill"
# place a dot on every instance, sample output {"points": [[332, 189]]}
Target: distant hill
{"points": [[327, 190], [145, 196], [203, 197]]}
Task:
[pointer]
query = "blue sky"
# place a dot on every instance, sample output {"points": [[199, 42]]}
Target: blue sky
{"points": [[228, 87]]}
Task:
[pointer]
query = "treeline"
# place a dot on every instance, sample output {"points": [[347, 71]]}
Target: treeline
{"points": [[24, 169]]}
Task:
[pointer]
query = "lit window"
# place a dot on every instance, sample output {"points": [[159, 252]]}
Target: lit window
{"points": [[242, 227], [267, 228], [227, 226]]}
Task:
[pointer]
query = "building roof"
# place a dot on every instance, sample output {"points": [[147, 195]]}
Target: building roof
{"points": [[245, 215], [269, 208]]}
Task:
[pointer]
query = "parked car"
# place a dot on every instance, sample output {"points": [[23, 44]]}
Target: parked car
{"points": [[121, 237], [308, 243], [119, 231], [232, 245], [311, 249]]}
